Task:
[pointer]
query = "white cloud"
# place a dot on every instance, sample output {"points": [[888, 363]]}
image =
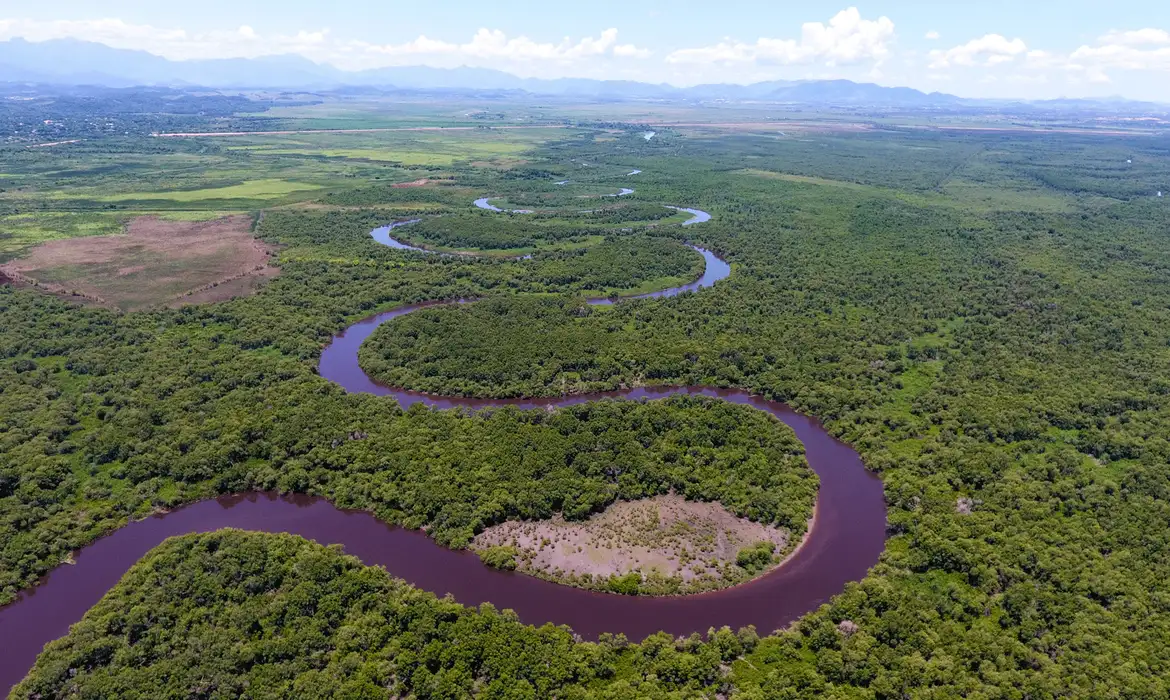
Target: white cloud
{"points": [[1138, 37], [845, 40], [1141, 49], [988, 50], [1130, 55], [1135, 60], [495, 44], [177, 44], [487, 47], [630, 51]]}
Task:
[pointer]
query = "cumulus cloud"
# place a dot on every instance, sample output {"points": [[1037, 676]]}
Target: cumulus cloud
{"points": [[1141, 49], [846, 39], [631, 51], [848, 45], [988, 50], [1131, 52], [488, 44]]}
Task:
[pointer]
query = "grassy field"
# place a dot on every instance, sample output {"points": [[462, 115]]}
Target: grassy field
{"points": [[19, 232], [155, 261], [249, 189], [497, 147], [89, 189]]}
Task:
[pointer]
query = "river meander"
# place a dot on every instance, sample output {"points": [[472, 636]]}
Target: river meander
{"points": [[846, 539]]}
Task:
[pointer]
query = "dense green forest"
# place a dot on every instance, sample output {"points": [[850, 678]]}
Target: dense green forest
{"points": [[94, 433], [234, 614], [487, 231], [513, 346], [614, 265], [984, 317]]}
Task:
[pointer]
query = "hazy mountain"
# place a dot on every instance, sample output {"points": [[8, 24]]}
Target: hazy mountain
{"points": [[847, 91], [83, 62], [79, 61], [428, 77], [1099, 104], [72, 62]]}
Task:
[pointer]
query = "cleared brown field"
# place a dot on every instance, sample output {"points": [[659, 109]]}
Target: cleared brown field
{"points": [[153, 263], [689, 540]]}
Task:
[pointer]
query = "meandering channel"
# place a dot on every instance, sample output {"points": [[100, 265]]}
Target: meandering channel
{"points": [[846, 539]]}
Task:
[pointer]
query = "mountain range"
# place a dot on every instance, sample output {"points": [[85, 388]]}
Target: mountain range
{"points": [[75, 62]]}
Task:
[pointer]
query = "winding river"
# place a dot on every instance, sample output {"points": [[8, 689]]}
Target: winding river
{"points": [[483, 203], [846, 539]]}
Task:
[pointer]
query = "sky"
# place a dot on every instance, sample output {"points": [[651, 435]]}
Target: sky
{"points": [[988, 48]]}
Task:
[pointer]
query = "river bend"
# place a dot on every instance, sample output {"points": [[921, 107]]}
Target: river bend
{"points": [[846, 539]]}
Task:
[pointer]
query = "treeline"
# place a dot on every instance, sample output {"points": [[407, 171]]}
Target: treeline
{"points": [[97, 112], [488, 230]]}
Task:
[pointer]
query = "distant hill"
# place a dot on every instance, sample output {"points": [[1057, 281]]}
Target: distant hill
{"points": [[73, 62], [70, 61]]}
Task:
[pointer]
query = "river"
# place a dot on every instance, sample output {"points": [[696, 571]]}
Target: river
{"points": [[846, 539]]}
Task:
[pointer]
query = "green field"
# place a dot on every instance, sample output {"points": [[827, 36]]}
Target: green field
{"points": [[249, 189], [19, 232], [406, 148]]}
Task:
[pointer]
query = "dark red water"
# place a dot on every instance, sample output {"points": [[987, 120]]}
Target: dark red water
{"points": [[846, 540]]}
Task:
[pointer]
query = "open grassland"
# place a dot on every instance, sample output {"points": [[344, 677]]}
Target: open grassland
{"points": [[410, 148], [179, 176], [249, 189], [241, 174], [19, 232], [155, 262], [401, 112]]}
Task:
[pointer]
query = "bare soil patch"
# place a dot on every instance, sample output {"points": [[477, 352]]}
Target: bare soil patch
{"points": [[242, 286], [154, 262], [691, 546], [422, 182]]}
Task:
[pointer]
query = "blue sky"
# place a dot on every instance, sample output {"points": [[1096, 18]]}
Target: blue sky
{"points": [[985, 48]]}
